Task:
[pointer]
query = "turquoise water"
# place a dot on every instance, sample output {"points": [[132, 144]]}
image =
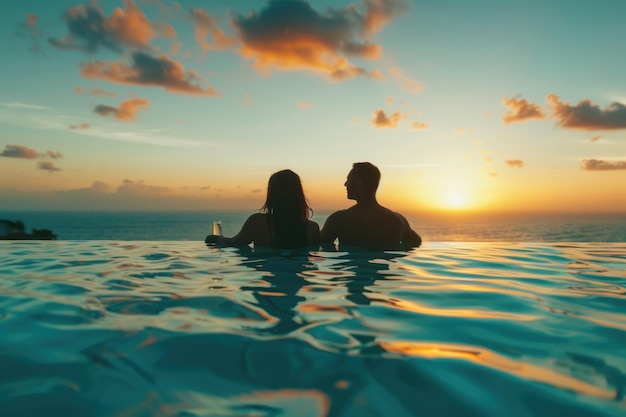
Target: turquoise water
{"points": [[185, 226], [95, 328]]}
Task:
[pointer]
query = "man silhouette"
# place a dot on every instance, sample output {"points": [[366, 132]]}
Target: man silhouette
{"points": [[367, 224]]}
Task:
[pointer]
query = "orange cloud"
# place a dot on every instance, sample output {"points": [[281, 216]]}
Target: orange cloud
{"points": [[52, 155], [600, 165], [379, 13], [514, 163], [148, 70], [47, 166], [94, 92], [381, 120], [31, 20], [205, 26], [520, 110], [596, 138], [28, 28], [18, 151], [89, 29], [303, 105], [126, 111], [23, 152], [247, 100], [291, 35], [410, 85], [130, 26], [586, 115], [419, 126], [176, 47], [164, 30]]}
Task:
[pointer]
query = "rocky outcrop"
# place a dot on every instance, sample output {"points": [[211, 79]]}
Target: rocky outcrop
{"points": [[15, 230]]}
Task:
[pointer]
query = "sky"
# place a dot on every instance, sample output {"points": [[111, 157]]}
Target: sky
{"points": [[464, 105]]}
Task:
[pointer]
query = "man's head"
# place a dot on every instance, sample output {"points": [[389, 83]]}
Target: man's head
{"points": [[362, 181]]}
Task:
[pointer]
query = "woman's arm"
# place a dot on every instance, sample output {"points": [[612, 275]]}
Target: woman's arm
{"points": [[245, 236], [313, 233]]}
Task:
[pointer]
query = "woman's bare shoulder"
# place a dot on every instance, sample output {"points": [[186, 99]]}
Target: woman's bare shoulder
{"points": [[312, 225], [256, 217], [255, 223]]}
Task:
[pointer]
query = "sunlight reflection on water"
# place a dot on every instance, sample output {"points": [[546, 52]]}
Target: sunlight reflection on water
{"points": [[178, 329]]}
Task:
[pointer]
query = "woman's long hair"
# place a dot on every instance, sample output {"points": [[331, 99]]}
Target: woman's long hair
{"points": [[288, 209]]}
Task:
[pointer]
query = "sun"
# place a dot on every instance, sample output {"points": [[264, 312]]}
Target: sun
{"points": [[457, 194], [456, 200]]}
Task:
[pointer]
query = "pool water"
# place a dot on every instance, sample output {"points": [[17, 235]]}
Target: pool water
{"points": [[119, 328]]}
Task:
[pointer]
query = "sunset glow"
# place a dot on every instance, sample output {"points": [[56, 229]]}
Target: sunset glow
{"points": [[163, 105]]}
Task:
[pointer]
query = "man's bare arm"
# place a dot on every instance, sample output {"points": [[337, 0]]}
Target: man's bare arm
{"points": [[330, 230], [410, 238]]}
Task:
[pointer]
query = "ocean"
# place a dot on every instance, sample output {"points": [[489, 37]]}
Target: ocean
{"points": [[130, 314], [189, 226]]}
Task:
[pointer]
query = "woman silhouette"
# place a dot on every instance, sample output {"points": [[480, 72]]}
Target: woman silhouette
{"points": [[283, 221]]}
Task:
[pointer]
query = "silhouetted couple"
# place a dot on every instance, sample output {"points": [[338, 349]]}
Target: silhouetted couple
{"points": [[284, 220]]}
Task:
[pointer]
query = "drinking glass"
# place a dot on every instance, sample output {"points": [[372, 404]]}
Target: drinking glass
{"points": [[217, 228]]}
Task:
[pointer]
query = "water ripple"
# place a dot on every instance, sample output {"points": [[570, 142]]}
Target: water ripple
{"points": [[176, 329]]}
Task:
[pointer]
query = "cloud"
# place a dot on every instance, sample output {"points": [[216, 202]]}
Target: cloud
{"points": [[19, 105], [31, 20], [410, 85], [147, 70], [205, 26], [586, 115], [18, 151], [126, 111], [291, 35], [81, 126], [419, 126], [126, 189], [47, 166], [29, 29], [382, 120], [52, 155], [97, 188], [303, 105], [164, 30], [126, 195], [130, 26], [89, 29], [520, 110], [247, 100], [514, 163], [130, 187], [23, 152], [94, 92], [596, 138], [600, 165]]}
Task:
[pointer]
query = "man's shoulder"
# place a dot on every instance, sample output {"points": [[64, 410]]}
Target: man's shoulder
{"points": [[340, 213]]}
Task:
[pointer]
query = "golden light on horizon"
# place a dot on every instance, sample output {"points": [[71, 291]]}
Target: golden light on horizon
{"points": [[457, 194], [456, 199]]}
